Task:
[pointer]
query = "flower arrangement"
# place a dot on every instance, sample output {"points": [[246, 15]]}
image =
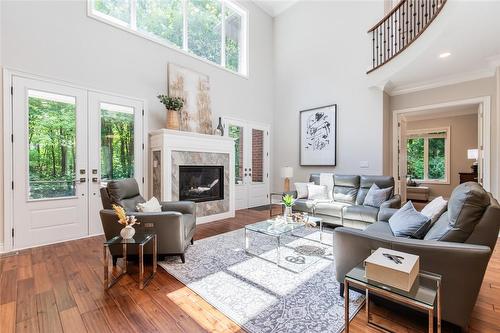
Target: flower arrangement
{"points": [[171, 103], [123, 219]]}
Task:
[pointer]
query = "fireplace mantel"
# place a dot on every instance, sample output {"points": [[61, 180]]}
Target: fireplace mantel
{"points": [[169, 149]]}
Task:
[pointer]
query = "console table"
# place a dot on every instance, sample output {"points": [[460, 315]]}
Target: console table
{"points": [[467, 177], [420, 193]]}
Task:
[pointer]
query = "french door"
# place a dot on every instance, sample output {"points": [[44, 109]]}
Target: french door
{"points": [[66, 140], [251, 162]]}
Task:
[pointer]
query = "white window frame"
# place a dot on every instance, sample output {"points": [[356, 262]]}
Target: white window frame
{"points": [[427, 134], [132, 28]]}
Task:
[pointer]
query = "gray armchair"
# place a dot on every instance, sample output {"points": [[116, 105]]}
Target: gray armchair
{"points": [[174, 226]]}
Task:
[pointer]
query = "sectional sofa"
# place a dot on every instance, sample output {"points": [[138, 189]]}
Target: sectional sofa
{"points": [[346, 208]]}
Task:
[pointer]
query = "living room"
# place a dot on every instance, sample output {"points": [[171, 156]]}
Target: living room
{"points": [[217, 165]]}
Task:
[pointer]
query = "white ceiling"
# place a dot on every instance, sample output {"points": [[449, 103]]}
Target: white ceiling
{"points": [[469, 30], [275, 7]]}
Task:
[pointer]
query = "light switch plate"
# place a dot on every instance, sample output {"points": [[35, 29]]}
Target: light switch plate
{"points": [[364, 164]]}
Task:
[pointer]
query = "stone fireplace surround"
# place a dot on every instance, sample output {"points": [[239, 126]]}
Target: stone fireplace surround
{"points": [[169, 149]]}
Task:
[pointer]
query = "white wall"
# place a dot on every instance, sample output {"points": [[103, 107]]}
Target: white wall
{"points": [[56, 39], [321, 56]]}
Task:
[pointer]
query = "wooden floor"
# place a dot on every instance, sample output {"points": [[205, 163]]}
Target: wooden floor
{"points": [[59, 288]]}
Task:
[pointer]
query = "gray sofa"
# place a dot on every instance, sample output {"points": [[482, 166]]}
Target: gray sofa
{"points": [[466, 236], [347, 208], [174, 226]]}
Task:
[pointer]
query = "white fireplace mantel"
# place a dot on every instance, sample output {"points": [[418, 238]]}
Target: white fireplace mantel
{"points": [[167, 141]]}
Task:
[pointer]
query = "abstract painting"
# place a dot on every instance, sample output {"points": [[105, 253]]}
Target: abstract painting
{"points": [[318, 136], [194, 88]]}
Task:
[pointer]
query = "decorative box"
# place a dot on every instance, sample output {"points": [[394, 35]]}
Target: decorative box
{"points": [[393, 268]]}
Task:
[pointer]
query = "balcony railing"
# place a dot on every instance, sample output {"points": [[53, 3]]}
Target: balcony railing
{"points": [[401, 27]]}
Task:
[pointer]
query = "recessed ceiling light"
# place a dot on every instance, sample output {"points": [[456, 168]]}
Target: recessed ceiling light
{"points": [[445, 55]]}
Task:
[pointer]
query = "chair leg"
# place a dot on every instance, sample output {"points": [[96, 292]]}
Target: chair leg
{"points": [[183, 258], [192, 241], [342, 290]]}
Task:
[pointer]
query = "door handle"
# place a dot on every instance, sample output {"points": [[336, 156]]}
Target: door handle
{"points": [[95, 180], [80, 181]]}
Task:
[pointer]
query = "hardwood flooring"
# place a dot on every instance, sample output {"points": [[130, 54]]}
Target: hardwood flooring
{"points": [[58, 288]]}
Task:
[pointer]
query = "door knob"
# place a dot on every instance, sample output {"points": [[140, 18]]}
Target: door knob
{"points": [[95, 180]]}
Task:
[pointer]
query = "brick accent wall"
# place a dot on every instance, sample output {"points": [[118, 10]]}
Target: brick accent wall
{"points": [[257, 155]]}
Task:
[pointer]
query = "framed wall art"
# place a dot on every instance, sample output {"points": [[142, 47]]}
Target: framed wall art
{"points": [[318, 136]]}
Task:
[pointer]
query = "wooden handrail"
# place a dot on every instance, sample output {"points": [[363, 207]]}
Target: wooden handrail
{"points": [[401, 27]]}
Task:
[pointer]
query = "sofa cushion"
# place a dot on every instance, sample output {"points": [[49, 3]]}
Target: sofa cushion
{"points": [[314, 178], [466, 207], [361, 213], [346, 188], [408, 222], [317, 192], [366, 183], [377, 196], [150, 206], [380, 228], [125, 193], [435, 209], [302, 191], [303, 205], [330, 208]]}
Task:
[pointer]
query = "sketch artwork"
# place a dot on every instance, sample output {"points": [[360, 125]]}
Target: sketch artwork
{"points": [[318, 136]]}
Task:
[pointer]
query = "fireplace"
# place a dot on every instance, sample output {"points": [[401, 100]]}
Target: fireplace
{"points": [[201, 183]]}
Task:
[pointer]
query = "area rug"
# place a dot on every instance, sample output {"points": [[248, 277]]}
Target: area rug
{"points": [[301, 295]]}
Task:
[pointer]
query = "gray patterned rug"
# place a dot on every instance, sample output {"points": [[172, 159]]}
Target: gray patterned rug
{"points": [[300, 296]]}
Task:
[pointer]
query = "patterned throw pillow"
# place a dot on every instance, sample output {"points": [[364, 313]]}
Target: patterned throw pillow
{"points": [[377, 196], [317, 192], [301, 188], [408, 222], [150, 206]]}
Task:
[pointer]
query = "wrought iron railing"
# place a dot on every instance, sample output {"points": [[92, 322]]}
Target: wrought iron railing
{"points": [[401, 27]]}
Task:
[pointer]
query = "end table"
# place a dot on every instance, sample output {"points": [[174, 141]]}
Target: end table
{"points": [[138, 240], [424, 295]]}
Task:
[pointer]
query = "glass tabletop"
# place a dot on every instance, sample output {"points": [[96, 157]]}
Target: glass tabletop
{"points": [[424, 289], [274, 228], [139, 239]]}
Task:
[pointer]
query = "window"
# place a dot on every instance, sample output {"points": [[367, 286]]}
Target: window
{"points": [[428, 155], [214, 30]]}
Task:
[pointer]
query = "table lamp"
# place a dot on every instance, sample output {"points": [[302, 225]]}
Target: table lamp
{"points": [[287, 173], [473, 154]]}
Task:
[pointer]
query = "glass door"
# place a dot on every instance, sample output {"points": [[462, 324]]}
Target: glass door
{"points": [[116, 150], [49, 162]]}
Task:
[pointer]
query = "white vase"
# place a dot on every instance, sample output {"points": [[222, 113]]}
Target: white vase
{"points": [[287, 212], [128, 232]]}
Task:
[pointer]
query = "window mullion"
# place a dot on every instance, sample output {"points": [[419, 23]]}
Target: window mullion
{"points": [[133, 14], [426, 158], [223, 36], [184, 25]]}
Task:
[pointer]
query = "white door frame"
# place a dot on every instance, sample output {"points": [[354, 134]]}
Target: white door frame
{"points": [[267, 147], [8, 214], [484, 101]]}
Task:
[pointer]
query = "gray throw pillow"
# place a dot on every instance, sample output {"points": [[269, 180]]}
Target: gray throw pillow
{"points": [[377, 196], [408, 222]]}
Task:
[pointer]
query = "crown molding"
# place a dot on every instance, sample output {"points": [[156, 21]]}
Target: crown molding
{"points": [[441, 82]]}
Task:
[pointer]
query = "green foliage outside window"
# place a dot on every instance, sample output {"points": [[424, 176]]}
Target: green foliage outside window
{"points": [[437, 163], [236, 133], [415, 157], [51, 139], [436, 169], [204, 29], [119, 9], [162, 19]]}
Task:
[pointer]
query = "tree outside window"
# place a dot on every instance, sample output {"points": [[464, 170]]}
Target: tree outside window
{"points": [[427, 155]]}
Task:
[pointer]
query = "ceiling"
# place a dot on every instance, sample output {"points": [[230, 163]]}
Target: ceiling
{"points": [[275, 7], [469, 30]]}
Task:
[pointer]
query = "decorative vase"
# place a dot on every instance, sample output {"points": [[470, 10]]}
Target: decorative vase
{"points": [[173, 119], [287, 212], [220, 128], [128, 232]]}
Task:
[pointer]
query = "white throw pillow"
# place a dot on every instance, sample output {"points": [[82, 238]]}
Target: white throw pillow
{"points": [[376, 196], [435, 208], [150, 206], [301, 189], [317, 192]]}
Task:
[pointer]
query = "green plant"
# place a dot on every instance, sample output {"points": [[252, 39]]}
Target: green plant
{"points": [[288, 200], [171, 103]]}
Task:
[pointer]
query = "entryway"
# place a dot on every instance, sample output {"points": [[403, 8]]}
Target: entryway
{"points": [[67, 142], [251, 162]]}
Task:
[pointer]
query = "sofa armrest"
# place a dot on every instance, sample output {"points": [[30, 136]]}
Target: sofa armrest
{"points": [[385, 214], [394, 202], [183, 207], [462, 266]]}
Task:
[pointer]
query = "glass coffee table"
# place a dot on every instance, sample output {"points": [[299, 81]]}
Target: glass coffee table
{"points": [[278, 230], [424, 295]]}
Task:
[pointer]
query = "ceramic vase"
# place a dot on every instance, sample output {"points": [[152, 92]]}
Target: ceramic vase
{"points": [[128, 232]]}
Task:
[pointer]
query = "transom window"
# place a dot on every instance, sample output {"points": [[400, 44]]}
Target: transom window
{"points": [[428, 155], [214, 30]]}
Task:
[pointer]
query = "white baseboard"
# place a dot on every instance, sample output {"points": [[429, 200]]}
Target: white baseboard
{"points": [[215, 217]]}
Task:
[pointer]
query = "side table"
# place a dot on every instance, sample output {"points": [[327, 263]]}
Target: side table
{"points": [[271, 195], [424, 295], [139, 240]]}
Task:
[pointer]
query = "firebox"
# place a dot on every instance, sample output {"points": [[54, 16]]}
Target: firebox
{"points": [[201, 183]]}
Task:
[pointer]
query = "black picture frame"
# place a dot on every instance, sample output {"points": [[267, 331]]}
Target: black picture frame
{"points": [[317, 157]]}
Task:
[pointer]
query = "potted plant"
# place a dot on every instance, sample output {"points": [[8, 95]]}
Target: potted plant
{"points": [[288, 202], [173, 106], [127, 221]]}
